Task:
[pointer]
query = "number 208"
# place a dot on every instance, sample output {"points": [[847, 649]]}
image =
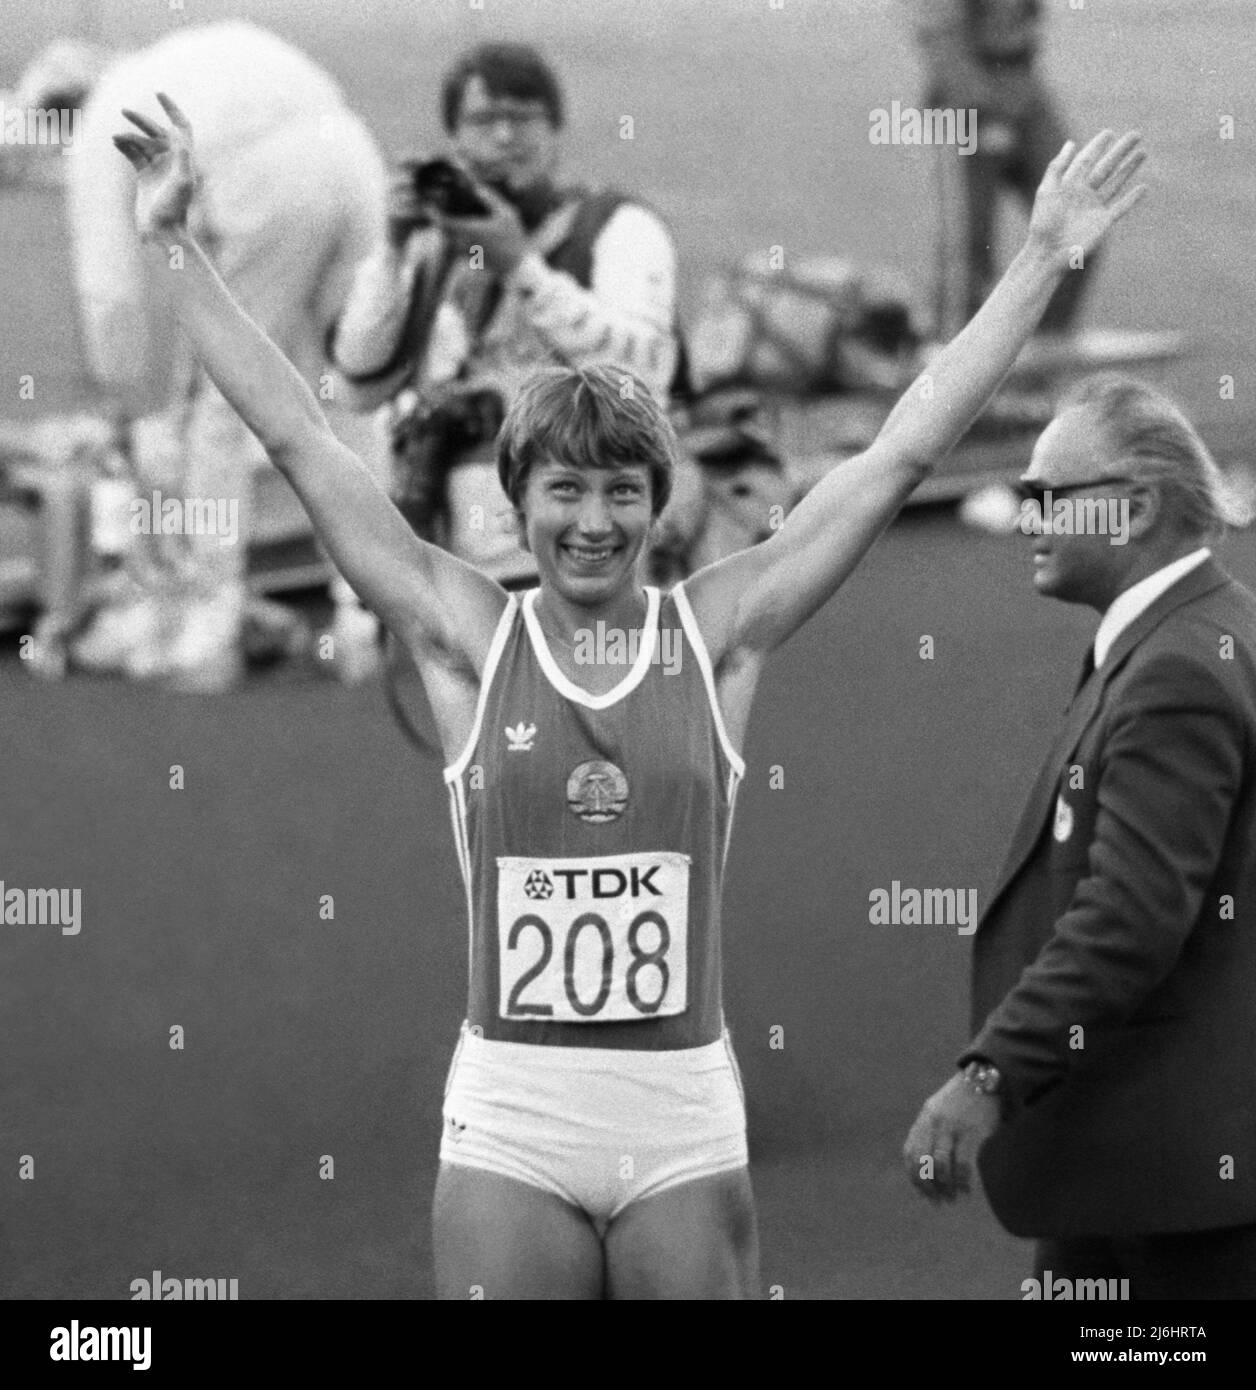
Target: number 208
{"points": [[640, 959]]}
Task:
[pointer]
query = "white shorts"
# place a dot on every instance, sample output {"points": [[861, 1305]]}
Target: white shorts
{"points": [[599, 1127]]}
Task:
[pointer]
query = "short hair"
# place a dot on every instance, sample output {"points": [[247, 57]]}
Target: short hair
{"points": [[507, 70], [1156, 443], [588, 417]]}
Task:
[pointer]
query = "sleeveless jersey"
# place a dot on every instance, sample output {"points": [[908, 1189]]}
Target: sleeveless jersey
{"points": [[592, 833]]}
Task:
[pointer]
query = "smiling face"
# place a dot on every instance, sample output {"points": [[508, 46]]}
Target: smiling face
{"points": [[587, 527], [1071, 458]]}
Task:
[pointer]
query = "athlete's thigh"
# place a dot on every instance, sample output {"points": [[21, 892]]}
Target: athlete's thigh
{"points": [[699, 1239], [496, 1237]]}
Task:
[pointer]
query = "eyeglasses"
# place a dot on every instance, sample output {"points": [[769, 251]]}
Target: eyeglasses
{"points": [[518, 119], [1037, 492]]}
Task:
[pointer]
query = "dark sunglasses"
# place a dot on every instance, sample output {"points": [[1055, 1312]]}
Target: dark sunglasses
{"points": [[1037, 492]]}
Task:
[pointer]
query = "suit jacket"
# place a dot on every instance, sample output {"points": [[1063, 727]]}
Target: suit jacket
{"points": [[1114, 973]]}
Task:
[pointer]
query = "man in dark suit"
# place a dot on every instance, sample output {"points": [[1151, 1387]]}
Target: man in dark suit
{"points": [[1110, 1085]]}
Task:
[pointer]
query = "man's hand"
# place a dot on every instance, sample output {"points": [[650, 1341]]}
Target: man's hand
{"points": [[941, 1149], [167, 174], [501, 233], [1082, 194]]}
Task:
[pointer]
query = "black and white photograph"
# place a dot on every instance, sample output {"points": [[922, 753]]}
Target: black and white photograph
{"points": [[628, 664]]}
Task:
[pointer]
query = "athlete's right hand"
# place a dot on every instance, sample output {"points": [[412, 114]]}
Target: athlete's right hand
{"points": [[167, 174]]}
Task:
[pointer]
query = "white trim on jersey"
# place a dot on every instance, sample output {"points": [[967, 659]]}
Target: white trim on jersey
{"points": [[734, 781], [462, 846], [690, 624], [453, 773], [458, 812], [496, 647], [645, 654]]}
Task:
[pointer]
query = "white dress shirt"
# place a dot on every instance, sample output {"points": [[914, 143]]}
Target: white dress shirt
{"points": [[1139, 597]]}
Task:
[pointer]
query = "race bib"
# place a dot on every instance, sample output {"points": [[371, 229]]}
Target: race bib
{"points": [[596, 939]]}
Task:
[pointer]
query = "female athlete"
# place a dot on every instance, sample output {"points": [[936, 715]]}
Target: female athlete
{"points": [[594, 1137]]}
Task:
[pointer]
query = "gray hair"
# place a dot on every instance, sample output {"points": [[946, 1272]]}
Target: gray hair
{"points": [[1156, 443]]}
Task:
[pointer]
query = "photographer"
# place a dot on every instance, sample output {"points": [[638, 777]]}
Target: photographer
{"points": [[983, 55], [490, 271]]}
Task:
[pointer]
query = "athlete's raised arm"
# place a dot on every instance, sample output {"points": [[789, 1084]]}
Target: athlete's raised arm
{"points": [[752, 601], [429, 599]]}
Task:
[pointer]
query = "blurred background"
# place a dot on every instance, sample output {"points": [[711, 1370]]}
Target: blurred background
{"points": [[751, 130], [307, 1037]]}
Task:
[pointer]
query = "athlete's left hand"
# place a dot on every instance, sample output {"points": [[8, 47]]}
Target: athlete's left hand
{"points": [[941, 1150], [500, 234], [1084, 193]]}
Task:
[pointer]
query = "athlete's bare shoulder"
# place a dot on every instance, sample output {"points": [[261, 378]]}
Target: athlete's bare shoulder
{"points": [[484, 611], [735, 669], [714, 593]]}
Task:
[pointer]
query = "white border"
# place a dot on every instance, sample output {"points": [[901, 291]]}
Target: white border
{"points": [[645, 654], [690, 624], [496, 647]]}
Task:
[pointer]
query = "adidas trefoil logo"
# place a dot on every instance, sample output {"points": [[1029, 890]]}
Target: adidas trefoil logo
{"points": [[519, 739]]}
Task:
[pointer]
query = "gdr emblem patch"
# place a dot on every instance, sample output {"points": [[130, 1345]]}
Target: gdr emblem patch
{"points": [[597, 792]]}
